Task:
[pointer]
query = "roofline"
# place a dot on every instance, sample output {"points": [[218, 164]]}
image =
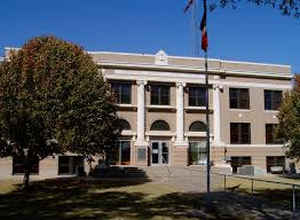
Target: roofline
{"points": [[194, 58], [150, 67]]}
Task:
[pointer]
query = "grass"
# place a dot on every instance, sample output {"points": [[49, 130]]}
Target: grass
{"points": [[277, 194], [75, 198]]}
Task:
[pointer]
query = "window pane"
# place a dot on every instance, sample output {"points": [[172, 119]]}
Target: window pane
{"points": [[160, 95], [240, 133], [122, 92], [197, 96], [272, 99], [239, 98]]}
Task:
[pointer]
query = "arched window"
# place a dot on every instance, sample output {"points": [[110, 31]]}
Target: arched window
{"points": [[124, 124], [198, 126], [160, 125]]}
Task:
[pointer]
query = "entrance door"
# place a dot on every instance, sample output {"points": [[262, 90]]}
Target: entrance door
{"points": [[159, 153]]}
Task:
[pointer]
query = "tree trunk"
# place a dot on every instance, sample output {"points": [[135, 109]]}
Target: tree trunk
{"points": [[26, 173]]}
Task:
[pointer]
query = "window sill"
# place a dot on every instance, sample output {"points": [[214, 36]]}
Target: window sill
{"points": [[240, 109], [126, 105], [160, 133], [161, 106], [271, 111]]}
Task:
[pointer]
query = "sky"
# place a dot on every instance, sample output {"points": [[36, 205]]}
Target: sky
{"points": [[248, 33]]}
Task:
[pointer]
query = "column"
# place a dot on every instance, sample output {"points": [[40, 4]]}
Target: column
{"points": [[180, 114], [141, 112], [217, 116]]}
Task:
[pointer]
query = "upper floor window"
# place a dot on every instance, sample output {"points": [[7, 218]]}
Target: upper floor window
{"points": [[160, 125], [272, 99], [197, 96], [198, 126], [239, 98], [122, 92], [240, 133], [271, 136], [160, 95]]}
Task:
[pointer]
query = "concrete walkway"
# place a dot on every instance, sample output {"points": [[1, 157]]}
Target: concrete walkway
{"points": [[186, 179]]}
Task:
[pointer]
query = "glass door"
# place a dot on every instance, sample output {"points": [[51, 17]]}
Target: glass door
{"points": [[159, 153]]}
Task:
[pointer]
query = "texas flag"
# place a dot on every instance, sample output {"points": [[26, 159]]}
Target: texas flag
{"points": [[190, 2], [204, 41]]}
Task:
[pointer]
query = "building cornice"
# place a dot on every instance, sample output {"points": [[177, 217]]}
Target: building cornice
{"points": [[188, 69]]}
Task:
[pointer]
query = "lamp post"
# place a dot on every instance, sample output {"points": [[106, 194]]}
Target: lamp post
{"points": [[26, 168]]}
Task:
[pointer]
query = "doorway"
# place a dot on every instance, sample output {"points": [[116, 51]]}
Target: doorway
{"points": [[159, 153]]}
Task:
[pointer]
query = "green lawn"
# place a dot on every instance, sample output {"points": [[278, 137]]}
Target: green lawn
{"points": [[74, 198], [278, 194]]}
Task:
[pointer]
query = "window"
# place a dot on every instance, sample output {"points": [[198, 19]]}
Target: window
{"points": [[240, 133], [160, 126], [272, 99], [197, 153], [270, 135], [122, 92], [124, 124], [120, 154], [275, 161], [239, 98], [198, 126], [18, 166], [237, 162], [197, 96], [160, 95], [70, 165]]}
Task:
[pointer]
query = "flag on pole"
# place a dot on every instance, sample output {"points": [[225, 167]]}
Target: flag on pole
{"points": [[190, 2], [204, 40]]}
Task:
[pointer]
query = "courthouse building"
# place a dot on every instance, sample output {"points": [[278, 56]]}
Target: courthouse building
{"points": [[162, 100]]}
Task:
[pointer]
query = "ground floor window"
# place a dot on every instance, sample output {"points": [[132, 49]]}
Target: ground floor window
{"points": [[275, 161], [18, 166], [70, 165], [237, 162], [120, 154], [197, 153]]}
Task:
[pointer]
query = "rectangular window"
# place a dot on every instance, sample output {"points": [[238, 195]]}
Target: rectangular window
{"points": [[70, 165], [120, 154], [270, 135], [272, 99], [240, 133], [18, 166], [237, 162], [239, 98], [275, 161], [160, 95], [122, 92], [197, 96]]}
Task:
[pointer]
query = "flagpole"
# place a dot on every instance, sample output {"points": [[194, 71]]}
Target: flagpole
{"points": [[207, 124]]}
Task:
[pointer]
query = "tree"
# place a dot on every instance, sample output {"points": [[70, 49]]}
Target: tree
{"points": [[289, 123], [286, 7], [53, 100]]}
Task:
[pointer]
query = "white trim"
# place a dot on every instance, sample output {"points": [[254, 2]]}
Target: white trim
{"points": [[254, 145], [128, 133], [192, 69], [126, 105], [161, 106], [190, 58], [160, 133], [186, 78], [196, 134]]}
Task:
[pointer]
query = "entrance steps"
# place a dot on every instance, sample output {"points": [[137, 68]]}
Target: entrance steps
{"points": [[119, 172]]}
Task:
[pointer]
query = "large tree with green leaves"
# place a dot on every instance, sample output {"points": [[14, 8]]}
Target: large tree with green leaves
{"points": [[53, 99], [289, 123]]}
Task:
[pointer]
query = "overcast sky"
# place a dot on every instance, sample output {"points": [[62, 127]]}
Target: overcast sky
{"points": [[249, 33]]}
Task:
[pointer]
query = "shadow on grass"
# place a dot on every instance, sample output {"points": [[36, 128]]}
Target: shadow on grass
{"points": [[75, 198]]}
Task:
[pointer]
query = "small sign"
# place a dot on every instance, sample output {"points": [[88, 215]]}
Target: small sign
{"points": [[155, 151]]}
